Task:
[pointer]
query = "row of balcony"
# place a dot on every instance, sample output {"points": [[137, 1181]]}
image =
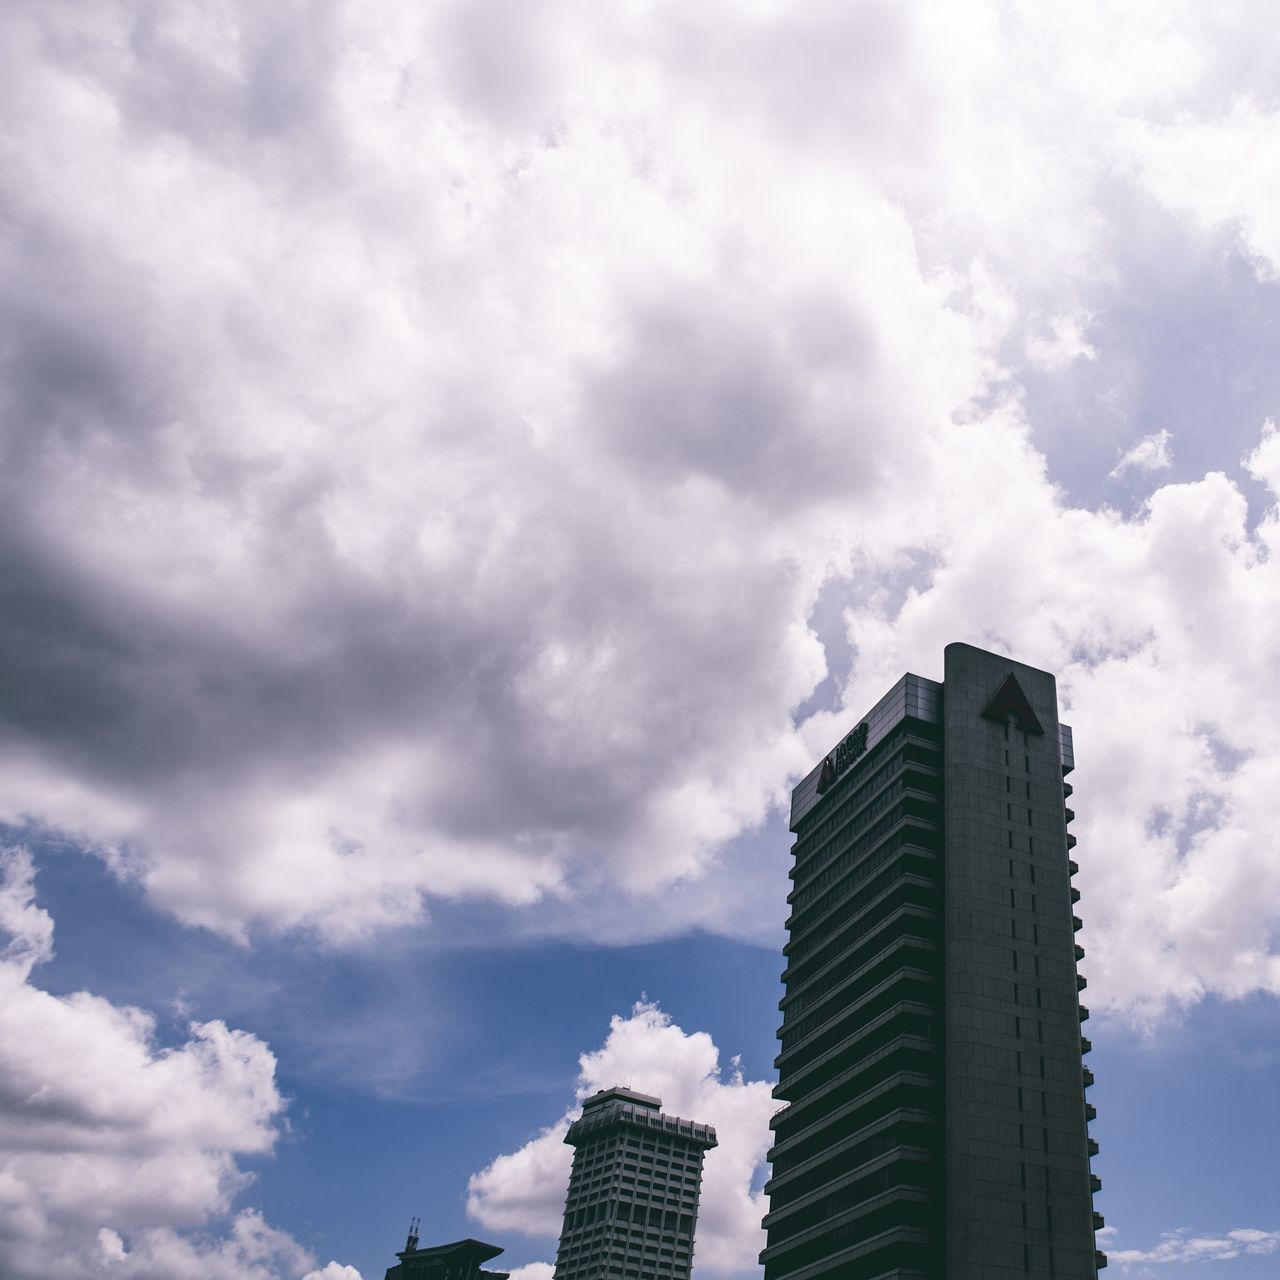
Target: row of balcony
{"points": [[1090, 1111]]}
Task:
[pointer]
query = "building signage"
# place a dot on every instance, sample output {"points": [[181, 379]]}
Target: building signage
{"points": [[851, 748]]}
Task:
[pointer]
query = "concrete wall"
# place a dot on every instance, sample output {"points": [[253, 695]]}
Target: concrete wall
{"points": [[1017, 1168]]}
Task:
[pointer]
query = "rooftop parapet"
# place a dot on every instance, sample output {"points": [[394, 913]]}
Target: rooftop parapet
{"points": [[638, 1111]]}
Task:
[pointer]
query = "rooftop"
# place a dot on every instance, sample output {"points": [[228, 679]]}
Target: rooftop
{"points": [[619, 1094]]}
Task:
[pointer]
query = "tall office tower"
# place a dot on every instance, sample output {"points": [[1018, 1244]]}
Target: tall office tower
{"points": [[633, 1192], [931, 1045]]}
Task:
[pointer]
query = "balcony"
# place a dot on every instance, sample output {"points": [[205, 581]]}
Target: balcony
{"points": [[1084, 1013], [1075, 894], [1079, 952], [1081, 982], [1090, 1112], [1088, 1076], [1099, 1259], [1098, 1221], [1093, 1148], [1086, 1045], [1071, 814], [1074, 866], [1076, 924], [1095, 1184], [1071, 841], [1067, 789]]}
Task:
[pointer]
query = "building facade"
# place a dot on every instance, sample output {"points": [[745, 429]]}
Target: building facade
{"points": [[633, 1191], [931, 1046]]}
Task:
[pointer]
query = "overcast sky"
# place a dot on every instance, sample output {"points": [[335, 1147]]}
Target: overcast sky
{"points": [[462, 462]]}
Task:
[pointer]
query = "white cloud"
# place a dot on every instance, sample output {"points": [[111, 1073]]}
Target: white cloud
{"points": [[546, 474], [109, 1137], [1263, 463], [423, 466], [1065, 342], [534, 1271], [335, 1271], [1221, 173], [1151, 453], [250, 1250], [1183, 1246], [1158, 628], [525, 1190]]}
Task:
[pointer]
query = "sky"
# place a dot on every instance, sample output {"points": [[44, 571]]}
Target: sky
{"points": [[464, 462]]}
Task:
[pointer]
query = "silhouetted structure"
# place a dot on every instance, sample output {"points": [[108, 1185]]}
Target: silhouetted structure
{"points": [[931, 1042], [633, 1191], [457, 1261]]}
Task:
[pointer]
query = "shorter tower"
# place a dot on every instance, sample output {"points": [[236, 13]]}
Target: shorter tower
{"points": [[633, 1192], [461, 1260]]}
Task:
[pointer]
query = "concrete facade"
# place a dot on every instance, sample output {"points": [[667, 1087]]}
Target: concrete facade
{"points": [[1017, 1190], [931, 1042], [632, 1204]]}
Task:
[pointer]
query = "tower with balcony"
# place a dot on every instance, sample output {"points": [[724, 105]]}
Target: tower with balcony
{"points": [[931, 1049]]}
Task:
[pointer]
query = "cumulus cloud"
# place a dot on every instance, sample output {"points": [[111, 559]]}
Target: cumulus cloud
{"points": [[525, 1190], [422, 464], [1158, 627], [534, 1271], [427, 503], [1220, 173], [335, 1271], [1184, 1246], [1065, 342], [428, 454], [250, 1250], [1151, 453], [120, 1155]]}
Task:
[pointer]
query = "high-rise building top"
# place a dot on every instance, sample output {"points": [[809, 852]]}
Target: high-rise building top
{"points": [[633, 1191], [930, 1043]]}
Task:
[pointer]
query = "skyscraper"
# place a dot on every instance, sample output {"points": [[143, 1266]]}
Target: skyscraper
{"points": [[633, 1191], [931, 1061]]}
